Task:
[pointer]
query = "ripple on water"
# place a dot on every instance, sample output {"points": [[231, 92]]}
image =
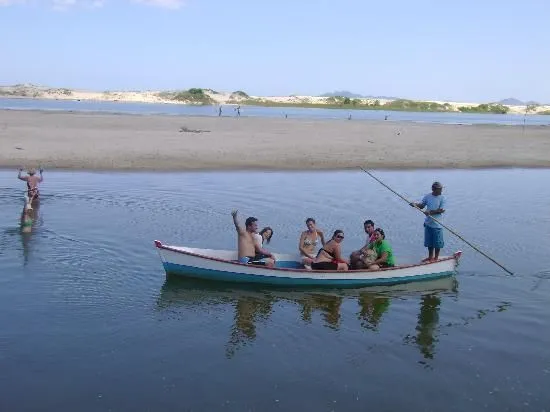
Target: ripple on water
{"points": [[89, 286]]}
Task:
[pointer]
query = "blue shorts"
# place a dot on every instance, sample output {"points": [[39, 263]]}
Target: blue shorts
{"points": [[252, 260], [433, 237]]}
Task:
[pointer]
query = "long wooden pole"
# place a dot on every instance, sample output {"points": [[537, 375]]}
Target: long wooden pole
{"points": [[435, 220]]}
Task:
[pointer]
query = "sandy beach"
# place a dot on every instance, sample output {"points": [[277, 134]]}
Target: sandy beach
{"points": [[133, 142]]}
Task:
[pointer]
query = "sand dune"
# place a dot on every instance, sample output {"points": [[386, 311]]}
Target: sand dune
{"points": [[220, 98]]}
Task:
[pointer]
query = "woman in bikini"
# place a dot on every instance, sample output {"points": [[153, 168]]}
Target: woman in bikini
{"points": [[330, 255], [309, 241]]}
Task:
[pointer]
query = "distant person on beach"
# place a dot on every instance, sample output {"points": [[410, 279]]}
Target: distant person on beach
{"points": [[386, 117], [309, 242], [32, 182], [384, 253], [329, 256], [435, 204], [219, 111], [238, 109], [249, 251], [360, 258]]}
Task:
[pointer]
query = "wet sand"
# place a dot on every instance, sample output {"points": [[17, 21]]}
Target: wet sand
{"points": [[150, 142]]}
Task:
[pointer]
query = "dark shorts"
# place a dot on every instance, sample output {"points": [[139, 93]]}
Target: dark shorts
{"points": [[33, 192], [324, 266], [433, 237], [253, 260]]}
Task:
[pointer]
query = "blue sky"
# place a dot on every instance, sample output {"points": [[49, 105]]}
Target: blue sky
{"points": [[466, 50]]}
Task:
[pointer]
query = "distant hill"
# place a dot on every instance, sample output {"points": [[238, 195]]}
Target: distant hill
{"points": [[512, 101], [342, 93], [345, 93]]}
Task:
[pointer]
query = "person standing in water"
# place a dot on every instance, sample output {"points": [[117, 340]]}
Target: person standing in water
{"points": [[435, 204], [32, 183]]}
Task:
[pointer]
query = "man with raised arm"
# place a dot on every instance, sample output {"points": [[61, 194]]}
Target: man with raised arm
{"points": [[250, 252]]}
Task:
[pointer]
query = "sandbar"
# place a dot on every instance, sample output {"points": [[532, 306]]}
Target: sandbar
{"points": [[99, 141]]}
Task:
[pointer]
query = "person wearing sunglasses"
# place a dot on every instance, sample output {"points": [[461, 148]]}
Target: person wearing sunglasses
{"points": [[384, 252], [329, 256]]}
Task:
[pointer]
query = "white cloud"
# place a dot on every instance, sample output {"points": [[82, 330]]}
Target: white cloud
{"points": [[66, 4], [10, 2], [167, 4]]}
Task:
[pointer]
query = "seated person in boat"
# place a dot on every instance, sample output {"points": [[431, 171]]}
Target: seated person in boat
{"points": [[249, 251], [309, 241], [264, 236], [384, 253], [360, 258], [329, 256], [32, 183]]}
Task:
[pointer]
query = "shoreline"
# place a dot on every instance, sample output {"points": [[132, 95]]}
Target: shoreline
{"points": [[308, 119], [166, 143]]}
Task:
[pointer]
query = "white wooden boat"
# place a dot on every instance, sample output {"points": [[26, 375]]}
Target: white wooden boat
{"points": [[222, 265]]}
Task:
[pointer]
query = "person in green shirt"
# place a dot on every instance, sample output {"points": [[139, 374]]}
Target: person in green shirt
{"points": [[384, 253]]}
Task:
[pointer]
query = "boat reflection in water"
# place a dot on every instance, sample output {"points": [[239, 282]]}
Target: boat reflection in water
{"points": [[253, 305]]}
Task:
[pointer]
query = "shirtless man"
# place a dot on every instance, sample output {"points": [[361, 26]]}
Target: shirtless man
{"points": [[249, 250], [32, 183]]}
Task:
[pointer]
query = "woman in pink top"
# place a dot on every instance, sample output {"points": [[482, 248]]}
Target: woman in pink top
{"points": [[32, 183]]}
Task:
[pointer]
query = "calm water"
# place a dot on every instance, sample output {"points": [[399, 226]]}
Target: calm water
{"points": [[89, 322], [255, 111]]}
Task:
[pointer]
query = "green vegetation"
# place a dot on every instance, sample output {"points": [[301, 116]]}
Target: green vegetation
{"points": [[193, 96], [415, 106], [485, 108], [545, 112], [340, 102], [240, 93], [21, 93], [66, 92], [531, 108]]}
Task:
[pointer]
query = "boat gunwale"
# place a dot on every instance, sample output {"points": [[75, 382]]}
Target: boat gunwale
{"points": [[456, 256]]}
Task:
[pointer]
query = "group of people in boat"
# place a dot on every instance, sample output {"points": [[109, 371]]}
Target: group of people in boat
{"points": [[317, 253]]}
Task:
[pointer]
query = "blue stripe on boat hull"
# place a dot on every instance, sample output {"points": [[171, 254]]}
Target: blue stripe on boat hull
{"points": [[218, 275]]}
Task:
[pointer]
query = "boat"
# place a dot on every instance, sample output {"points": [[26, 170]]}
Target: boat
{"points": [[222, 265]]}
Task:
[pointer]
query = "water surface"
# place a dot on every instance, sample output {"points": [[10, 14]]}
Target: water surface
{"points": [[89, 321], [257, 111]]}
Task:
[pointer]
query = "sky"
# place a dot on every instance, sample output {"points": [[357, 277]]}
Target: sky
{"points": [[470, 51]]}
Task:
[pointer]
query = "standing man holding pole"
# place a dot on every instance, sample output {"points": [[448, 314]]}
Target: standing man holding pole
{"points": [[435, 204]]}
